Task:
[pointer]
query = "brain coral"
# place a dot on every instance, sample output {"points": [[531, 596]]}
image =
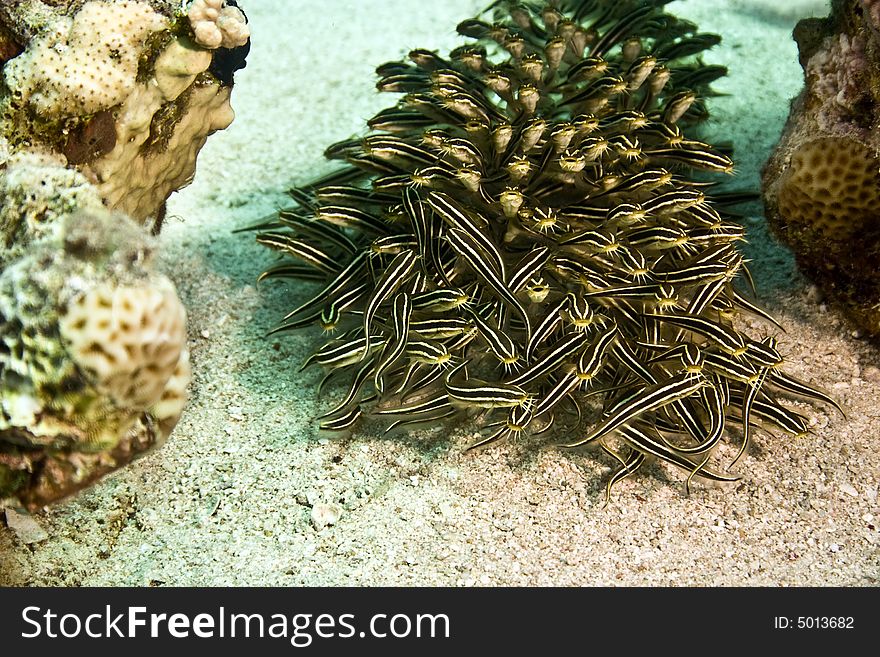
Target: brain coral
{"points": [[830, 190], [126, 340]]}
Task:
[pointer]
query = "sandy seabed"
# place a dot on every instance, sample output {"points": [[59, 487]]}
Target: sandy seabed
{"points": [[228, 501]]}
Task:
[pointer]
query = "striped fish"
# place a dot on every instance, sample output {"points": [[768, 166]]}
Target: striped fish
{"points": [[649, 398], [528, 267], [349, 275], [783, 381], [441, 300], [556, 355], [397, 120], [592, 359], [482, 394], [317, 230], [401, 312], [339, 353], [333, 310], [705, 159], [468, 249], [777, 415], [292, 270], [395, 275], [751, 394], [628, 467], [547, 327], [343, 422], [627, 25], [428, 353], [438, 402], [357, 383], [347, 217], [713, 403], [501, 344], [730, 368], [313, 255], [637, 437], [728, 338], [518, 419], [455, 215]]}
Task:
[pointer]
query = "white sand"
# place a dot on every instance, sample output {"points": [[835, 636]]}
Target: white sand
{"points": [[228, 499]]}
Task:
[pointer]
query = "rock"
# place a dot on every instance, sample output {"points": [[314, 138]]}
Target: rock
{"points": [[850, 490], [822, 183], [324, 515], [26, 529]]}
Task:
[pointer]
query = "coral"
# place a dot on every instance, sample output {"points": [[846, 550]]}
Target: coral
{"points": [[218, 24], [160, 130], [529, 239], [839, 71], [92, 356], [121, 90], [822, 183], [832, 187], [85, 63], [126, 340], [36, 191], [872, 7], [104, 108]]}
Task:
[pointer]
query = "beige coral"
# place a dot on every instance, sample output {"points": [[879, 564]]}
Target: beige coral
{"points": [[85, 63], [123, 92], [216, 24], [127, 340], [137, 179], [105, 106]]}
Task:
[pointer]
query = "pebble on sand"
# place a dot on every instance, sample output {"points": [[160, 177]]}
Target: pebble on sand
{"points": [[324, 515], [25, 527]]}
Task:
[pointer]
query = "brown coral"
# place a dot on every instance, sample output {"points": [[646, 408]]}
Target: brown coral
{"points": [[822, 184], [830, 191]]}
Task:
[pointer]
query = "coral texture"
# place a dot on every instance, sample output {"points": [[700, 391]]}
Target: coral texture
{"points": [[104, 107], [36, 191], [531, 238], [93, 362], [85, 63], [218, 24], [160, 129], [122, 88], [822, 183]]}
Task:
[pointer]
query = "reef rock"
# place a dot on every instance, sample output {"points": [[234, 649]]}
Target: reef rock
{"points": [[124, 89], [822, 183], [93, 358], [104, 106]]}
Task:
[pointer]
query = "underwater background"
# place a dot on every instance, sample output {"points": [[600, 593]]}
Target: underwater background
{"points": [[247, 492]]}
